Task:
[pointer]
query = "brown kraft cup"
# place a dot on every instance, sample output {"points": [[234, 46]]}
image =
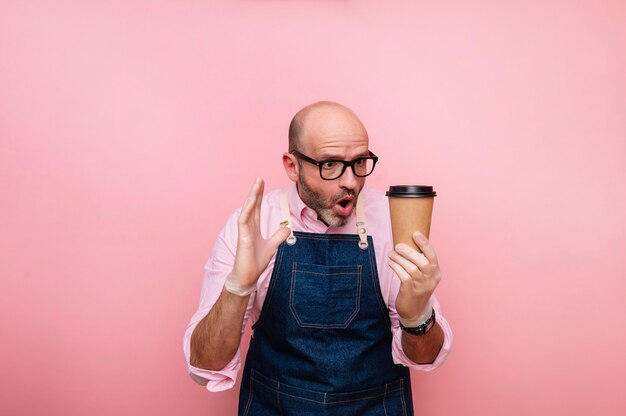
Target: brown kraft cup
{"points": [[411, 209]]}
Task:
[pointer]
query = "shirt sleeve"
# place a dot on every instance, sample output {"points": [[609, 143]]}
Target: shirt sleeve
{"points": [[218, 266]]}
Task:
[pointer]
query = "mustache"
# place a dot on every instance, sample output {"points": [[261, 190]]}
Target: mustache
{"points": [[343, 194]]}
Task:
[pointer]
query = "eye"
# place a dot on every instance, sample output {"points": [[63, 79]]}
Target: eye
{"points": [[359, 162], [329, 165]]}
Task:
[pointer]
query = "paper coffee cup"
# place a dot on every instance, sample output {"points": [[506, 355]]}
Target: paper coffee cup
{"points": [[411, 209]]}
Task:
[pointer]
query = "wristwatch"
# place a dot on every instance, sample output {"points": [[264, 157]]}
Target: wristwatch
{"points": [[423, 328]]}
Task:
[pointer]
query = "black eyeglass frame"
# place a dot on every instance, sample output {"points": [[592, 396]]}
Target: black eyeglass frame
{"points": [[345, 163]]}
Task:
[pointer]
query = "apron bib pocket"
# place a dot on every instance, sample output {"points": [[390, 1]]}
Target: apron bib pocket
{"points": [[323, 296]]}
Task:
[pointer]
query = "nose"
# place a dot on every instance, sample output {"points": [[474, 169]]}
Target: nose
{"points": [[348, 180]]}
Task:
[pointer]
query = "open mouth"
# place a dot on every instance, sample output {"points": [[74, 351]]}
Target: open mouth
{"points": [[345, 206]]}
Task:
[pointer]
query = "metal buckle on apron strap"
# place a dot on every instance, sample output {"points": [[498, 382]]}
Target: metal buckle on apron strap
{"points": [[360, 226], [284, 208], [291, 240]]}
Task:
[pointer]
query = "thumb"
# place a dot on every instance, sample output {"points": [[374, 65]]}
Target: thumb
{"points": [[279, 236]]}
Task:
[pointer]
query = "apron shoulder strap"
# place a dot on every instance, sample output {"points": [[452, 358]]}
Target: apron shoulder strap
{"points": [[360, 223], [286, 217]]}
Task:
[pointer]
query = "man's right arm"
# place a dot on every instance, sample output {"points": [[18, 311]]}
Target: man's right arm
{"points": [[216, 338]]}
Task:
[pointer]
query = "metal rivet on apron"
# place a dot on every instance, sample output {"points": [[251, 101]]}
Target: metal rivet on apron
{"points": [[363, 245], [291, 240]]}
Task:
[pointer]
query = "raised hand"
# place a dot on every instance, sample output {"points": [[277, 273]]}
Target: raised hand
{"points": [[253, 251]]}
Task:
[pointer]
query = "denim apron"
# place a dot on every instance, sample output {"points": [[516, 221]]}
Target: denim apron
{"points": [[322, 344]]}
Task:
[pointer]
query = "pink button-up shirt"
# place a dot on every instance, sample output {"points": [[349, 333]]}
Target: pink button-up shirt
{"points": [[304, 219]]}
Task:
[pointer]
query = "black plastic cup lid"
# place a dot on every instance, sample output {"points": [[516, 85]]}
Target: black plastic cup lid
{"points": [[411, 191]]}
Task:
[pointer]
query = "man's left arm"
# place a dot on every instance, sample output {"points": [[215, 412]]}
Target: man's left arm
{"points": [[423, 349], [419, 276]]}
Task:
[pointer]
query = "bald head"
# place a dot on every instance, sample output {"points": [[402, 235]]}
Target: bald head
{"points": [[323, 117], [324, 132]]}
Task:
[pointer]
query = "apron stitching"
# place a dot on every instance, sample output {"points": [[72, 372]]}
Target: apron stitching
{"points": [[277, 263], [325, 399], [376, 282], [360, 398], [333, 274], [290, 395], [402, 397], [278, 398], [260, 376], [385, 399], [251, 393], [292, 294], [358, 296], [330, 237], [349, 320]]}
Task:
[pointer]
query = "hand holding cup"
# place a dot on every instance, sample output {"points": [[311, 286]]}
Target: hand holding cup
{"points": [[419, 274]]}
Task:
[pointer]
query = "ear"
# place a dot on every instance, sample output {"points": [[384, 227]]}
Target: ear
{"points": [[291, 166]]}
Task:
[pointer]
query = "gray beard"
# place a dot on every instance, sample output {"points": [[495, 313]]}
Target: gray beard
{"points": [[323, 207]]}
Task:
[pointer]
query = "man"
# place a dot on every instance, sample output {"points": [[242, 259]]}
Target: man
{"points": [[325, 296]]}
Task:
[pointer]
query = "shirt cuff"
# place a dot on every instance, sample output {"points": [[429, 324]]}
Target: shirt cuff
{"points": [[216, 381]]}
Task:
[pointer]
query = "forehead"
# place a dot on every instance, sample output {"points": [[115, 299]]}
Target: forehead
{"points": [[333, 131]]}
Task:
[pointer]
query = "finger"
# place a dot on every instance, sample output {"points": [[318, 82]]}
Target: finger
{"points": [[411, 268], [249, 204], [259, 200], [413, 256], [424, 245], [400, 272], [259, 193]]}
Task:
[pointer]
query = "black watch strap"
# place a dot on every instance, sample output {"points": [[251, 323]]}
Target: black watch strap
{"points": [[423, 328]]}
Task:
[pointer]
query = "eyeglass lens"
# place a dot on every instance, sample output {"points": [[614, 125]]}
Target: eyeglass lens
{"points": [[333, 170]]}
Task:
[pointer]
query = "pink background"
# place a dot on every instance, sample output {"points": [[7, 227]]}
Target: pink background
{"points": [[130, 130]]}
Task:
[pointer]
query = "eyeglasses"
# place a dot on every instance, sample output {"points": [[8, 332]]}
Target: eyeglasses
{"points": [[333, 169]]}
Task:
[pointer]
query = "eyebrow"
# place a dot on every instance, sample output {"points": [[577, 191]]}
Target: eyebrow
{"points": [[333, 157]]}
